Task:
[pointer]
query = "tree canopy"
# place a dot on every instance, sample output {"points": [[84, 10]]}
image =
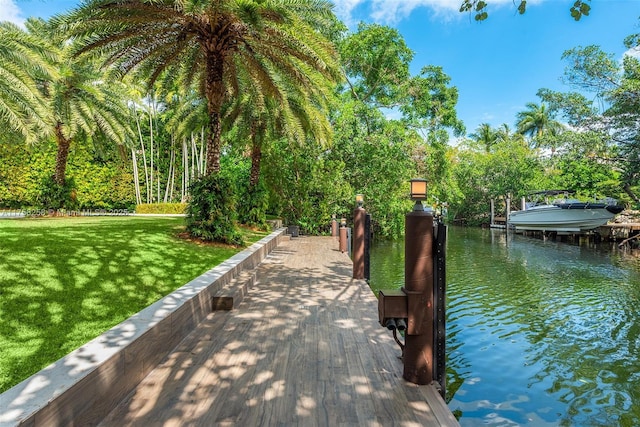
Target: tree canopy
{"points": [[278, 105], [578, 9], [208, 46]]}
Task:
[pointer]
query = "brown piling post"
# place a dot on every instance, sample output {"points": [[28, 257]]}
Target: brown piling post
{"points": [[343, 236], [418, 285], [334, 226], [358, 238], [419, 308]]}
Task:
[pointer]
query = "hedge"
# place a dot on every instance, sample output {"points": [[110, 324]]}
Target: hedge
{"points": [[161, 208]]}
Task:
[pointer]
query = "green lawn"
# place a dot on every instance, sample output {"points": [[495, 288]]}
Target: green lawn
{"points": [[65, 281]]}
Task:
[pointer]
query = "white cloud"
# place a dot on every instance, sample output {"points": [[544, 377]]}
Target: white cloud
{"points": [[9, 11], [344, 8], [393, 11], [633, 52]]}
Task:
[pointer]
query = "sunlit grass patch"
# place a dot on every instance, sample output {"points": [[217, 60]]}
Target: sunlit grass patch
{"points": [[65, 281]]}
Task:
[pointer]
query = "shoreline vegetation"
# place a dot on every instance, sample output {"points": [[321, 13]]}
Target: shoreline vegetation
{"points": [[66, 280]]}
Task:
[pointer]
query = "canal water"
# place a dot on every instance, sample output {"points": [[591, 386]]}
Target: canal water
{"points": [[539, 333]]}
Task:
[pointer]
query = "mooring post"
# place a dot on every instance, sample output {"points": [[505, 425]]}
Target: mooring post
{"points": [[507, 209], [359, 215], [334, 226], [418, 285], [367, 246], [440, 293], [418, 310], [343, 239], [493, 212]]}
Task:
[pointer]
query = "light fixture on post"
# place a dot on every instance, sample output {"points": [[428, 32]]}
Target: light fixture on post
{"points": [[359, 200], [343, 222], [418, 192]]}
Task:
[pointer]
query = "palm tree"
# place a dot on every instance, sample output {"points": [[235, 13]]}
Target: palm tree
{"points": [[296, 117], [485, 135], [23, 61], [535, 121], [79, 103], [208, 44]]}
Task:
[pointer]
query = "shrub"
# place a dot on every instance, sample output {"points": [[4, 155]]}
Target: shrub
{"points": [[96, 184], [211, 212], [56, 196], [161, 208], [254, 210]]}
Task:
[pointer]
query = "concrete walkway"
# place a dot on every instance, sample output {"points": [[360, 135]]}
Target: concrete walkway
{"points": [[303, 348]]}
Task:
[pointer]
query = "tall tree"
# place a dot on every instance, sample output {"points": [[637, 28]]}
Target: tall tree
{"points": [[536, 122], [24, 60], [260, 117], [206, 44], [376, 63], [79, 101], [485, 135], [616, 84]]}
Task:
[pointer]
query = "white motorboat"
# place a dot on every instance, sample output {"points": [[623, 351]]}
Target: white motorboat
{"points": [[563, 215]]}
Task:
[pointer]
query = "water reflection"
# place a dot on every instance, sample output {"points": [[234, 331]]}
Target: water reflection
{"points": [[539, 333]]}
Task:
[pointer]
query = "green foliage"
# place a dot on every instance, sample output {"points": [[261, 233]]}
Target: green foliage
{"points": [[574, 107], [215, 62], [377, 59], [469, 198], [161, 208], [579, 8], [511, 167], [592, 70], [306, 185], [23, 61], [211, 212], [252, 203], [379, 166], [254, 211], [430, 103], [55, 196], [97, 183]]}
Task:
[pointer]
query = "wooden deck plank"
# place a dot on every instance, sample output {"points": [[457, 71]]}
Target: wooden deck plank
{"points": [[303, 348]]}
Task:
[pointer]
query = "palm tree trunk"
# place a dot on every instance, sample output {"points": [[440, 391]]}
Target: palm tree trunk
{"points": [[256, 136], [202, 164], [61, 156], [144, 156], [167, 189], [213, 144], [136, 177], [152, 183], [185, 170], [256, 158], [215, 97]]}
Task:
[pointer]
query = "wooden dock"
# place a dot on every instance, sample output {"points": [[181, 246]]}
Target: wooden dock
{"points": [[304, 347]]}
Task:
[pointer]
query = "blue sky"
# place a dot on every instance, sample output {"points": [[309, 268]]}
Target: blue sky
{"points": [[497, 65]]}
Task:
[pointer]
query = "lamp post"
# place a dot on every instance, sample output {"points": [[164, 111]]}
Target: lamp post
{"points": [[418, 192], [358, 238], [418, 308], [418, 286]]}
